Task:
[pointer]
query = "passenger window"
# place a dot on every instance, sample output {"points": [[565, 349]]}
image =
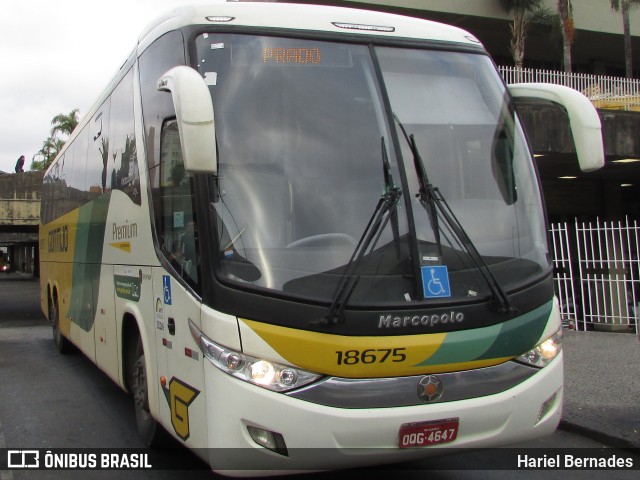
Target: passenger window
{"points": [[122, 163], [177, 226]]}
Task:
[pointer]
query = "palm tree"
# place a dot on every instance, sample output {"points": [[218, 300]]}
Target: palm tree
{"points": [[50, 149], [568, 30], [623, 6], [524, 12], [62, 127], [64, 124]]}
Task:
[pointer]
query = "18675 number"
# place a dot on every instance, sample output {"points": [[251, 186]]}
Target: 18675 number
{"points": [[372, 355]]}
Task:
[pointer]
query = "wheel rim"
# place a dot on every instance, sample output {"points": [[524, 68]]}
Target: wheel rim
{"points": [[53, 315], [140, 390]]}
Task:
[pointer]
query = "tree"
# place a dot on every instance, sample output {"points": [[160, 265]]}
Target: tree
{"points": [[64, 124], [623, 6], [50, 149], [62, 127], [524, 13], [568, 30]]}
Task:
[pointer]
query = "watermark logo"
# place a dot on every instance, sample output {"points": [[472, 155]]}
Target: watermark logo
{"points": [[84, 459], [23, 459]]}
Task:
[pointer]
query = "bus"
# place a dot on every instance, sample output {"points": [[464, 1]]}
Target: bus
{"points": [[309, 237]]}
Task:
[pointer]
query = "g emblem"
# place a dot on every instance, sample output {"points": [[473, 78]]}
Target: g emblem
{"points": [[430, 389], [180, 396]]}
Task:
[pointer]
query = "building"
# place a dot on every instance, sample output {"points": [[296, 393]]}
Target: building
{"points": [[19, 219]]}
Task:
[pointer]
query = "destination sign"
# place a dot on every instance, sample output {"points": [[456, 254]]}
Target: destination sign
{"points": [[289, 54]]}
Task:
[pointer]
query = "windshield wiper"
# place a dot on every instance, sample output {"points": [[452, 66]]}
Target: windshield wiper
{"points": [[436, 205], [385, 210]]}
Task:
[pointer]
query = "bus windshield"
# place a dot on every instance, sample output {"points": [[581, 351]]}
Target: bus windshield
{"points": [[310, 141]]}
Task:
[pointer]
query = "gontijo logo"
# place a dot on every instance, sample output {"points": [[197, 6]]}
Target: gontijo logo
{"points": [[58, 239]]}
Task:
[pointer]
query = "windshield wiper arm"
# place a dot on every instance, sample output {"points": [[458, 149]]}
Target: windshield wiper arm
{"points": [[389, 184], [385, 210], [500, 297], [435, 204], [425, 188]]}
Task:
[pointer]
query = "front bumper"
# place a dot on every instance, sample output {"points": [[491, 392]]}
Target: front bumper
{"points": [[320, 437]]}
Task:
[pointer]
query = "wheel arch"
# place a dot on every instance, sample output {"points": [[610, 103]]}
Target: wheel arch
{"points": [[132, 328], [133, 334], [53, 295]]}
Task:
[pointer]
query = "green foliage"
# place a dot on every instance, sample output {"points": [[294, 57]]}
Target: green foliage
{"points": [[623, 6], [524, 13], [617, 5], [50, 148], [64, 124], [62, 127]]}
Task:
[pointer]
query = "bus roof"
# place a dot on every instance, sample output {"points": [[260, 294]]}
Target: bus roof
{"points": [[285, 16], [304, 17]]}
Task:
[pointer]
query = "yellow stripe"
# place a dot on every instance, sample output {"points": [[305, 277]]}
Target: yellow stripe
{"points": [[124, 246], [359, 357], [57, 249]]}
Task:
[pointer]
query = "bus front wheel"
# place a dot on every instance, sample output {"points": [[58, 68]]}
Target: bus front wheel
{"points": [[149, 430]]}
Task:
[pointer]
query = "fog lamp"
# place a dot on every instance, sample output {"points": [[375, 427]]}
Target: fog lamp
{"points": [[546, 407], [270, 440]]}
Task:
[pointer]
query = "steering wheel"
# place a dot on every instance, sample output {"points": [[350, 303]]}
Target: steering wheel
{"points": [[324, 238]]}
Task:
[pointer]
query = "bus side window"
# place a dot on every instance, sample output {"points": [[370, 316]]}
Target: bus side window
{"points": [[177, 227]]}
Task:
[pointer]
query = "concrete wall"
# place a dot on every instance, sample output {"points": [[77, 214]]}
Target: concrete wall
{"points": [[20, 198], [548, 130]]}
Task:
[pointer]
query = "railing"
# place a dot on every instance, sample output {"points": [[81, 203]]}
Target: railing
{"points": [[597, 274], [608, 93]]}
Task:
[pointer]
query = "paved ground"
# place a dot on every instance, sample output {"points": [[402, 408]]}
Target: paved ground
{"points": [[602, 386]]}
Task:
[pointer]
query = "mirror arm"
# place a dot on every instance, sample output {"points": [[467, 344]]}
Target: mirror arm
{"points": [[194, 115]]}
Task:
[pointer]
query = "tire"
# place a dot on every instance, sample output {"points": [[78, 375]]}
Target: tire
{"points": [[63, 345], [149, 430]]}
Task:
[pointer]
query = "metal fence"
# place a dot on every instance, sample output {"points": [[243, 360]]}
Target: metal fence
{"points": [[596, 274], [609, 93]]}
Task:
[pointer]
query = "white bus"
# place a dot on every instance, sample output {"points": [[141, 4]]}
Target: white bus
{"points": [[347, 265]]}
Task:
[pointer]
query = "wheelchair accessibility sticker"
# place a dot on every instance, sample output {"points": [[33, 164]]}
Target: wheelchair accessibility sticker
{"points": [[166, 287], [435, 281]]}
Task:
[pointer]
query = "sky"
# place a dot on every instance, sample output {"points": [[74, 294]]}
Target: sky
{"points": [[57, 55]]}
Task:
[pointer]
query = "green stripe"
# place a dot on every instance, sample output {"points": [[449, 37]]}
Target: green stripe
{"points": [[520, 334], [508, 339], [87, 259]]}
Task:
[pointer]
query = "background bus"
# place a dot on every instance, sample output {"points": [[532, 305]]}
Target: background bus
{"points": [[347, 266]]}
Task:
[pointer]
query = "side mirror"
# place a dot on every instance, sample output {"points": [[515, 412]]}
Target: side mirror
{"points": [[194, 115], [583, 119]]}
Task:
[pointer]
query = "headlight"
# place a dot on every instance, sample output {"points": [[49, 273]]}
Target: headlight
{"points": [[270, 375], [544, 352]]}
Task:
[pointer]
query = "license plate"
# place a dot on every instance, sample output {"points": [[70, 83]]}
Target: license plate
{"points": [[424, 434]]}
